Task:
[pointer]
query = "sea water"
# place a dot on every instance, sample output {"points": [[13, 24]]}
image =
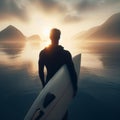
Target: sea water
{"points": [[98, 96]]}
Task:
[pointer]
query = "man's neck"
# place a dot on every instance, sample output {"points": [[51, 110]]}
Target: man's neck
{"points": [[54, 44]]}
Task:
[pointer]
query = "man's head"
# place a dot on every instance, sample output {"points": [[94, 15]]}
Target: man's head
{"points": [[55, 35]]}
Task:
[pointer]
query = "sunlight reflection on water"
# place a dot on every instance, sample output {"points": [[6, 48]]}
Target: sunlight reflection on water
{"points": [[30, 54]]}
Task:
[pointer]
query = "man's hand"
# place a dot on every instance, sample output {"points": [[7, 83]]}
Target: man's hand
{"points": [[43, 85]]}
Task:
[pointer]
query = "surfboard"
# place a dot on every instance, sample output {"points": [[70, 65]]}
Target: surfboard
{"points": [[54, 99]]}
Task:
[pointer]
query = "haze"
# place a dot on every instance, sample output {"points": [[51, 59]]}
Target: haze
{"points": [[39, 16]]}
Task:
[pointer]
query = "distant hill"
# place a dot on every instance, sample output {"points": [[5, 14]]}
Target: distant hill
{"points": [[11, 33], [109, 30], [34, 38], [13, 40], [34, 41]]}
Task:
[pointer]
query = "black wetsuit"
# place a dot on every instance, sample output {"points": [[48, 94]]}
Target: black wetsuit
{"points": [[54, 57]]}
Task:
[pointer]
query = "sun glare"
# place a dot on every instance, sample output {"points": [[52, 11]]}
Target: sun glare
{"points": [[46, 33]]}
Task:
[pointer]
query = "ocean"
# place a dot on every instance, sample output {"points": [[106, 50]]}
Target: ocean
{"points": [[98, 96]]}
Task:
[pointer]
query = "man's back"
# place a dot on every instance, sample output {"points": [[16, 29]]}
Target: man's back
{"points": [[53, 58]]}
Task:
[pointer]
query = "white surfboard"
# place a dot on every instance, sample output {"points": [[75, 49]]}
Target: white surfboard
{"points": [[54, 99]]}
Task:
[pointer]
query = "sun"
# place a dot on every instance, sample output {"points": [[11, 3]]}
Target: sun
{"points": [[46, 32], [46, 39]]}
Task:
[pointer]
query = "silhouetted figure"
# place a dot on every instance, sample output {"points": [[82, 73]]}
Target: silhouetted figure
{"points": [[53, 58]]}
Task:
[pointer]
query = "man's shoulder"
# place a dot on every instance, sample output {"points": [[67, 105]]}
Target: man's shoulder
{"points": [[67, 52], [42, 52]]}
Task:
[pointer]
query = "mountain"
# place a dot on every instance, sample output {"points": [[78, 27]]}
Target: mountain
{"points": [[109, 30], [11, 33], [34, 38]]}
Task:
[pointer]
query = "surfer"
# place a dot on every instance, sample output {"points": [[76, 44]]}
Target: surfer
{"points": [[53, 58]]}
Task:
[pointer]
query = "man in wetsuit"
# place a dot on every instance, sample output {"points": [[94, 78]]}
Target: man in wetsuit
{"points": [[53, 58]]}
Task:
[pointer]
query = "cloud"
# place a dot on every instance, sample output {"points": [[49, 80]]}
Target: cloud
{"points": [[71, 19], [23, 9], [50, 6], [56, 7], [90, 5], [13, 9], [111, 1], [85, 5]]}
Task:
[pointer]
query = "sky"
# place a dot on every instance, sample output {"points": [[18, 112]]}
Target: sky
{"points": [[70, 16]]}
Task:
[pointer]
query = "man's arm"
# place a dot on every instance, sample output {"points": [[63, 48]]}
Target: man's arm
{"points": [[41, 68], [72, 72]]}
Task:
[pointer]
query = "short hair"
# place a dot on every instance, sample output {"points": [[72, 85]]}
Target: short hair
{"points": [[55, 34]]}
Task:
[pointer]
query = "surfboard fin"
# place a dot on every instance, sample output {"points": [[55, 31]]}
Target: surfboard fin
{"points": [[48, 99]]}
